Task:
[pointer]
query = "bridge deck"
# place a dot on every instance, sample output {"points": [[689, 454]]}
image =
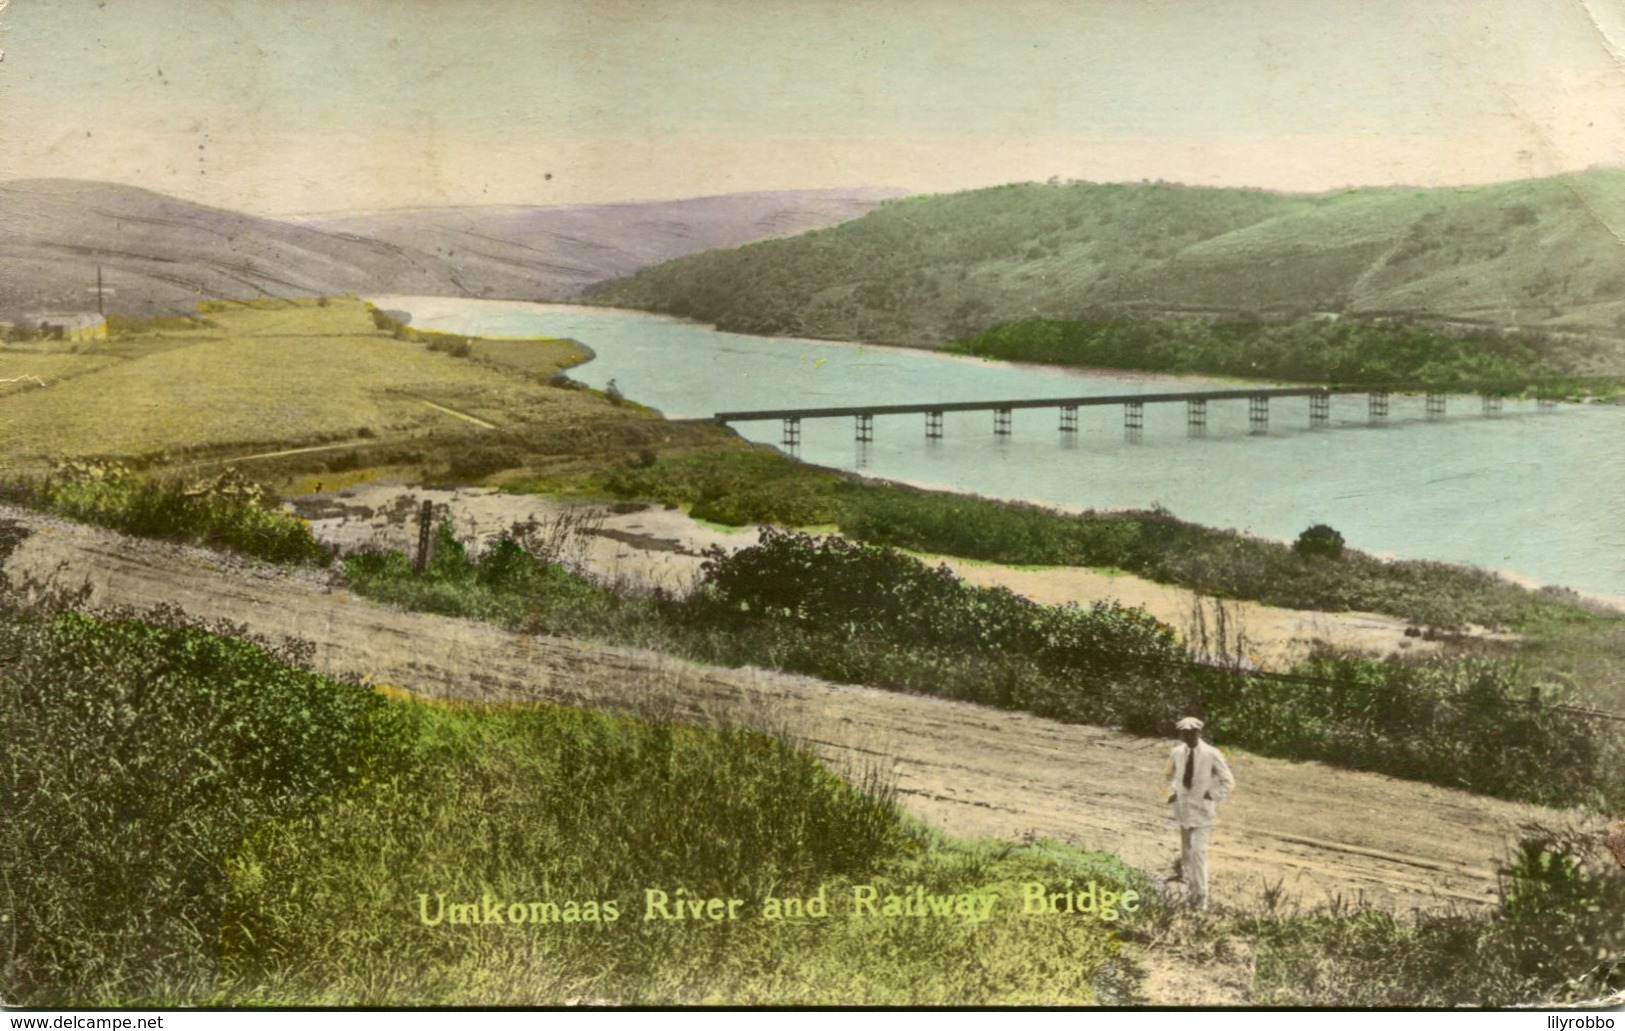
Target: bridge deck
{"points": [[1047, 402]]}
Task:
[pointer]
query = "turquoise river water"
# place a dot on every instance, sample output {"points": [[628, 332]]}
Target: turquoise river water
{"points": [[1536, 493]]}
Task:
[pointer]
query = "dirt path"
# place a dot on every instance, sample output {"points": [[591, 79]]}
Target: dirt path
{"points": [[1318, 833]]}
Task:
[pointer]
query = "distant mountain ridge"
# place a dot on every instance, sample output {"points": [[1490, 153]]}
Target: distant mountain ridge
{"points": [[163, 254], [1547, 253], [564, 249]]}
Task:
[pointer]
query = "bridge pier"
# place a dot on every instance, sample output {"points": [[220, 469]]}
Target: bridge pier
{"points": [[1196, 416], [1133, 419], [1492, 404], [1258, 414], [1196, 411]]}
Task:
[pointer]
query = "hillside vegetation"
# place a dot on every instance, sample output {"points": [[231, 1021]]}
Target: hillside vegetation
{"points": [[1541, 254], [1342, 353]]}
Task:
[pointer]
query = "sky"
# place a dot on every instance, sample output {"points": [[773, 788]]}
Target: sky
{"points": [[300, 106]]}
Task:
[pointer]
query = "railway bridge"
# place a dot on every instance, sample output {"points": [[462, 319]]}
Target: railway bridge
{"points": [[1195, 401]]}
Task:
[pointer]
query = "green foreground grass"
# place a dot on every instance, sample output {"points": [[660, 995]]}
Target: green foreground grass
{"points": [[193, 819]]}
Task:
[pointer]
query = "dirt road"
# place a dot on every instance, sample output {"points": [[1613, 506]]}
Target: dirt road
{"points": [[1317, 832]]}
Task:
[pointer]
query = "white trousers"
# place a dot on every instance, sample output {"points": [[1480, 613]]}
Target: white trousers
{"points": [[1193, 863]]}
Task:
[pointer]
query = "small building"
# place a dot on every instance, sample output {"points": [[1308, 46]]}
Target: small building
{"points": [[72, 326]]}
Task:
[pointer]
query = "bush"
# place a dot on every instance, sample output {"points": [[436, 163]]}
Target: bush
{"points": [[507, 584], [853, 613], [734, 488], [227, 512], [1319, 541], [1159, 547], [137, 754], [478, 459], [456, 347], [1556, 938], [1469, 724], [874, 615]]}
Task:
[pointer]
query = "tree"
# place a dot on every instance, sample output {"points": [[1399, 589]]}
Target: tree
{"points": [[1319, 540]]}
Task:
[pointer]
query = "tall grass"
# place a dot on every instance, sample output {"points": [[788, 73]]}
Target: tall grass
{"points": [[191, 818], [224, 512], [1555, 937], [567, 807], [137, 752]]}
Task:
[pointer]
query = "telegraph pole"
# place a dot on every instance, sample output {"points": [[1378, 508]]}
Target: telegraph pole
{"points": [[101, 294]]}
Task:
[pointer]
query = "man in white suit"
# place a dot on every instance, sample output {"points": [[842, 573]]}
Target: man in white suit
{"points": [[1198, 780]]}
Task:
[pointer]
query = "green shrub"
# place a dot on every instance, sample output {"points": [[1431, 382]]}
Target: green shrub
{"points": [[1556, 938], [1470, 724], [225, 513], [734, 487], [506, 584], [1319, 541], [883, 617], [478, 459], [1159, 547], [862, 614], [137, 755]]}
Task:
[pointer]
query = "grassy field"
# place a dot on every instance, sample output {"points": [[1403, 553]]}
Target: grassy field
{"points": [[285, 375]]}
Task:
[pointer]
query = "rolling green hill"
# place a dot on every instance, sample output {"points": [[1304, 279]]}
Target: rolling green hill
{"points": [[1546, 254]]}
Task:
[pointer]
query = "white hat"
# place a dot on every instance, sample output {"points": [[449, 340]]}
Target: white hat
{"points": [[1188, 723]]}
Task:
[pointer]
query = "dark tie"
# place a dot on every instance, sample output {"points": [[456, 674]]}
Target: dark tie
{"points": [[1190, 765]]}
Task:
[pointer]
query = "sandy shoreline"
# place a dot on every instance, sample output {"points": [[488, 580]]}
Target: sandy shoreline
{"points": [[645, 546]]}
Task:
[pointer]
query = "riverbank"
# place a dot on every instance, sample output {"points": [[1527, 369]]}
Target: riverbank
{"points": [[1468, 487], [645, 546]]}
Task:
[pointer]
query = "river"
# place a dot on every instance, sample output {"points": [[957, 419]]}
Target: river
{"points": [[1536, 493]]}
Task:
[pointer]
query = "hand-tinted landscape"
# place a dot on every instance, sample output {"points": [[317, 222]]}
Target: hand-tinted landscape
{"points": [[383, 625]]}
